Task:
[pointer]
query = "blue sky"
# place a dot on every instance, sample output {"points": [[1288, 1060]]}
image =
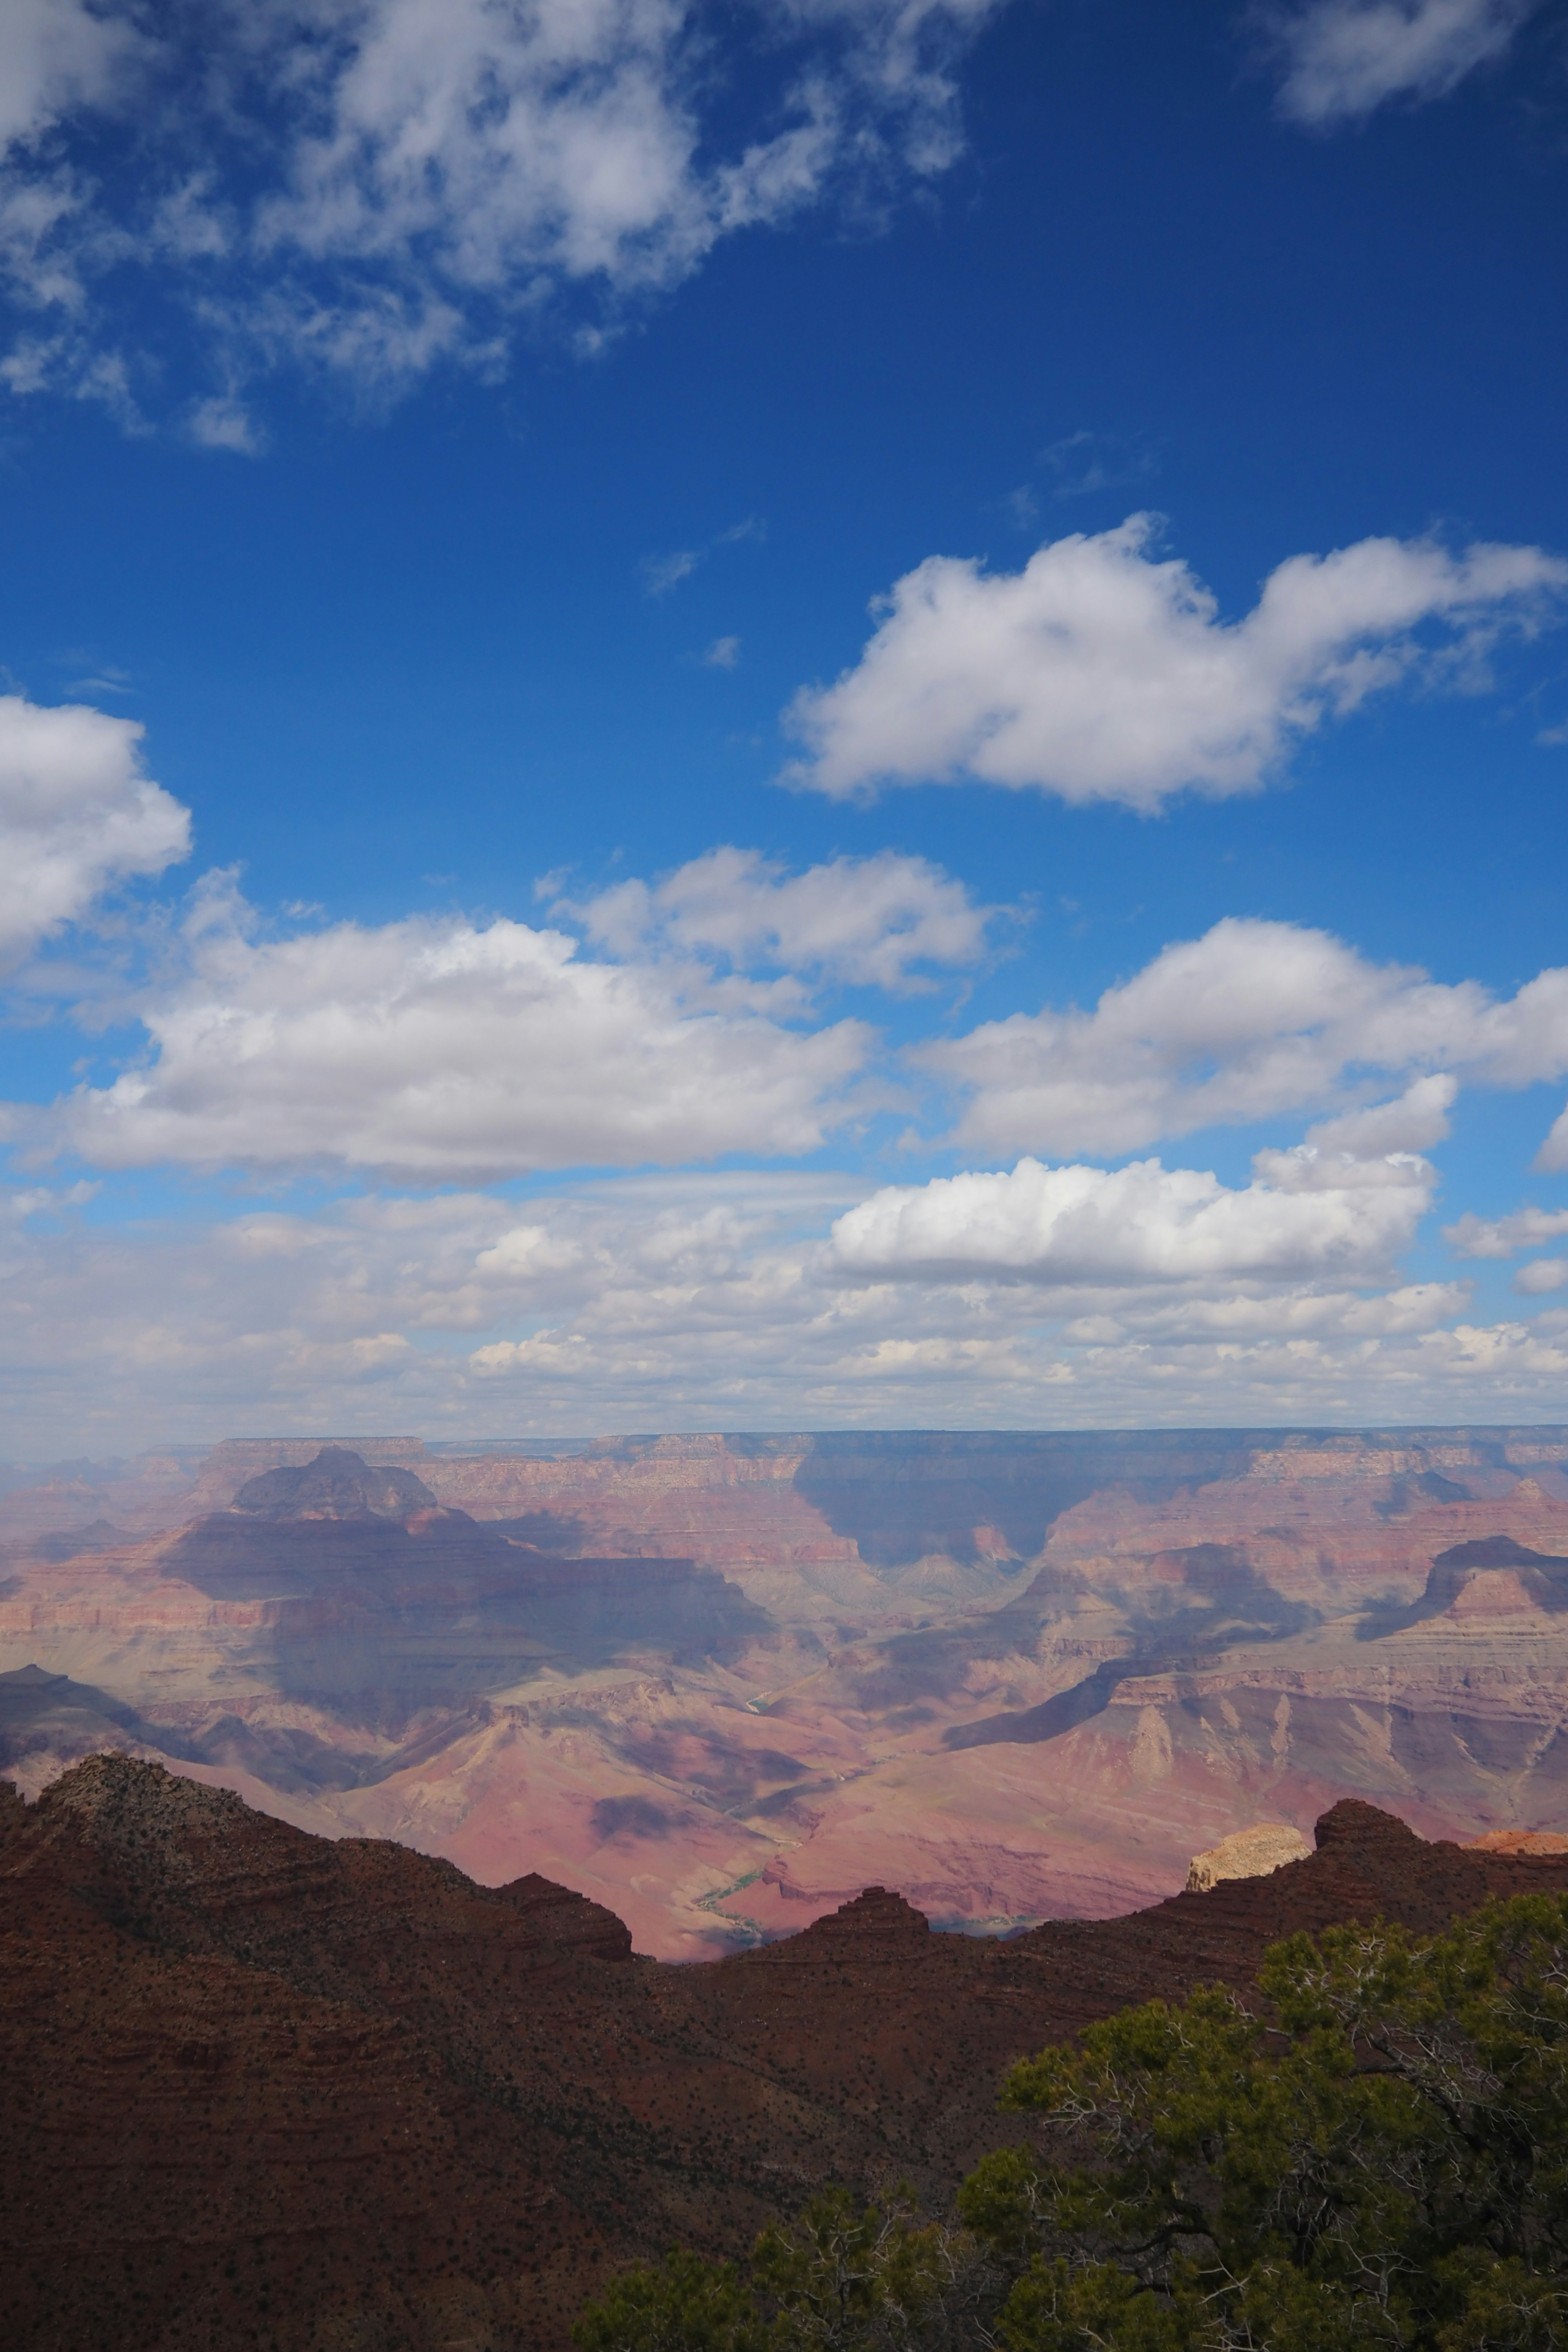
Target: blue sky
{"points": [[858, 712]]}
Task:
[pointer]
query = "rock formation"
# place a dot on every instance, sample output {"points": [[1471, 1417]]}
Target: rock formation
{"points": [[719, 1683], [265, 2086], [338, 1484], [1250, 1853]]}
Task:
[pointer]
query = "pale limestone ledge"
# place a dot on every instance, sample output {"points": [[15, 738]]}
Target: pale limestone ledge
{"points": [[1247, 1853]]}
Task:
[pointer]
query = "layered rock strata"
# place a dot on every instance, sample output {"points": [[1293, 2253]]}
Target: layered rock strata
{"points": [[719, 1683], [263, 2087]]}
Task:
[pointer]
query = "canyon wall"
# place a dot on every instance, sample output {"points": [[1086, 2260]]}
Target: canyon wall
{"points": [[265, 2088], [720, 1683]]}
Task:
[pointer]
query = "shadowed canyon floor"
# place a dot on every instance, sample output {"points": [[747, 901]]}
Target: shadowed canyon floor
{"points": [[719, 1683], [268, 2089]]}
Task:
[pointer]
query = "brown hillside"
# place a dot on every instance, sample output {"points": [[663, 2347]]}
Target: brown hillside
{"points": [[267, 2089]]}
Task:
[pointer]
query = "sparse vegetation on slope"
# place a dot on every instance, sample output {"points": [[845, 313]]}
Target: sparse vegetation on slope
{"points": [[1375, 2154]]}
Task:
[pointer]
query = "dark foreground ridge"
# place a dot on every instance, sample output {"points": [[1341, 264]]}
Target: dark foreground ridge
{"points": [[262, 2088]]}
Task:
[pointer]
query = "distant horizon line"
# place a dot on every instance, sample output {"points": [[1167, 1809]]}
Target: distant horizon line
{"points": [[579, 1442]]}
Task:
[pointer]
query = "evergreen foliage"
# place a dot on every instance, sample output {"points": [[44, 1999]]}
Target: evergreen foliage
{"points": [[1376, 2156], [845, 2278]]}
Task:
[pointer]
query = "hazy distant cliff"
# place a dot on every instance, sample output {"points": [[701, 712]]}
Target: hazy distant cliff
{"points": [[721, 1682]]}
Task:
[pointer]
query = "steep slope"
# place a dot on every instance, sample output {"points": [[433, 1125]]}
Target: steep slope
{"points": [[266, 2088]]}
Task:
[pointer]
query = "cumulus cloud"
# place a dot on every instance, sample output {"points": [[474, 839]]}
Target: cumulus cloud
{"points": [[1253, 1021], [682, 1302], [1544, 1274], [55, 55], [1343, 59], [1102, 672], [1475, 1236], [1414, 1122], [77, 816], [693, 1018], [1553, 1155], [442, 1050], [1077, 1226], [374, 189], [872, 921]]}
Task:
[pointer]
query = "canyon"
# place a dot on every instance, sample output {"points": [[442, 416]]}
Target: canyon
{"points": [[718, 1685]]}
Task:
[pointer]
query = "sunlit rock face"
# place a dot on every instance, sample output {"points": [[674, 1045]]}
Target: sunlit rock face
{"points": [[722, 1684], [1247, 1853]]}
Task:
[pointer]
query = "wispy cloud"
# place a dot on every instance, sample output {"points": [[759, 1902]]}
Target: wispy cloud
{"points": [[712, 1302], [377, 191], [1084, 462], [1473, 1237], [661, 573], [886, 921], [1344, 58]]}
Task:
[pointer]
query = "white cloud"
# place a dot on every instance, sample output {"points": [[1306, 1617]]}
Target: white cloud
{"points": [[871, 921], [1249, 1316], [77, 816], [55, 55], [1542, 1274], [724, 653], [660, 573], [223, 423], [682, 1302], [71, 366], [1077, 1226], [442, 1050], [375, 188], [1553, 1155], [688, 1027], [1343, 59], [1101, 673], [1253, 1021], [1475, 1236], [1414, 1122], [663, 574]]}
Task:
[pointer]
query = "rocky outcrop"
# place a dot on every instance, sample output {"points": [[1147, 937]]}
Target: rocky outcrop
{"points": [[261, 2084], [1247, 1853], [338, 1484]]}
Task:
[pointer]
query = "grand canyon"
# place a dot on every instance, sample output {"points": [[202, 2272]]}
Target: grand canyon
{"points": [[719, 1684]]}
